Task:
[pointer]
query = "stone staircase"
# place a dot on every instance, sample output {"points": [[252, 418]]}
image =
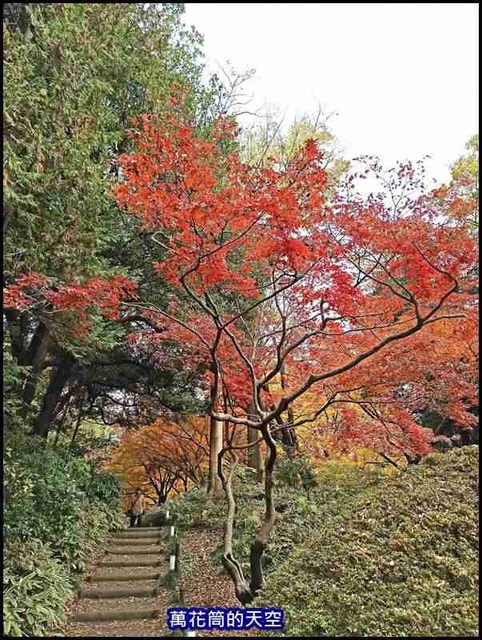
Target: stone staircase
{"points": [[124, 594]]}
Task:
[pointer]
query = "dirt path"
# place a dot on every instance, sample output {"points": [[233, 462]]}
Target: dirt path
{"points": [[124, 593], [204, 582]]}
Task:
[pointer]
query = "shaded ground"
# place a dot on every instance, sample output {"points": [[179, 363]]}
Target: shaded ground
{"points": [[204, 582]]}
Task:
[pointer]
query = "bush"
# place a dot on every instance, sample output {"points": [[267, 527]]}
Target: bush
{"points": [[399, 560], [195, 508], [299, 513], [35, 589], [57, 507], [296, 473], [57, 498]]}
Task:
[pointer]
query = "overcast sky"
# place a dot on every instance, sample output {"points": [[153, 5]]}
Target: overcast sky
{"points": [[402, 78]]}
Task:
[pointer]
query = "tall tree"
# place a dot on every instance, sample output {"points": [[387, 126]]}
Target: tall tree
{"points": [[74, 75], [336, 286], [460, 198]]}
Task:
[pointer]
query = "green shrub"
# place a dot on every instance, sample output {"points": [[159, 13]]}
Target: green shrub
{"points": [[399, 560], [57, 508], [195, 508], [57, 498], [296, 473], [35, 589], [299, 513]]}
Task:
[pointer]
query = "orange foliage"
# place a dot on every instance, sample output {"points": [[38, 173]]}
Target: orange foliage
{"points": [[346, 295], [163, 457]]}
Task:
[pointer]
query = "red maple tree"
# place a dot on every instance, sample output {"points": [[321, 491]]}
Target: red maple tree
{"points": [[268, 278], [71, 301]]}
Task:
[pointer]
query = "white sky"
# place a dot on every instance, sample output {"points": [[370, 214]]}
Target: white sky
{"points": [[401, 77]]}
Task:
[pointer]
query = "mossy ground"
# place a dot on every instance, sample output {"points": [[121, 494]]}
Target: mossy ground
{"points": [[364, 553], [400, 560]]}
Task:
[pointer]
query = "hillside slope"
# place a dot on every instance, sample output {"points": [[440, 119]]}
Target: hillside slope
{"points": [[400, 561]]}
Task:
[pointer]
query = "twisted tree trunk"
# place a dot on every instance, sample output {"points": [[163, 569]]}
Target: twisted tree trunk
{"points": [[246, 592], [261, 541], [232, 566]]}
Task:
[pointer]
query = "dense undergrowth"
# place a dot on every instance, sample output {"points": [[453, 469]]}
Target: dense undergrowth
{"points": [[401, 560], [57, 507], [357, 552], [303, 499]]}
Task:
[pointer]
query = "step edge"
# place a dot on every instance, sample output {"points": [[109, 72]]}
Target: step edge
{"points": [[108, 594], [103, 616], [122, 578]]}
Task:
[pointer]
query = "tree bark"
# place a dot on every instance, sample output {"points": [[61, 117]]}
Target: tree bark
{"points": [[254, 454], [255, 458], [231, 565], [288, 435], [58, 379], [38, 351], [77, 423], [247, 592], [261, 541], [60, 426], [215, 446]]}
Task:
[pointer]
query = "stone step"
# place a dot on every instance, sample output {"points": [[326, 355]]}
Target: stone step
{"points": [[127, 613], [137, 592], [127, 577], [132, 551], [140, 530], [126, 571], [130, 540], [141, 562], [141, 536], [105, 629]]}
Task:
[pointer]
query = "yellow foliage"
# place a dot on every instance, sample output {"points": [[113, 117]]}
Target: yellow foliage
{"points": [[162, 458]]}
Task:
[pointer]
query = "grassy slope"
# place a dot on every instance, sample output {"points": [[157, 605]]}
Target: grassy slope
{"points": [[401, 559], [364, 554]]}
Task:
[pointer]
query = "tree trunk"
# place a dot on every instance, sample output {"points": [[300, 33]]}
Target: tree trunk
{"points": [[288, 439], [261, 541], [415, 459], [255, 456], [77, 424], [15, 322], [60, 426], [58, 378], [215, 446], [231, 565], [247, 592], [38, 352], [16, 17]]}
